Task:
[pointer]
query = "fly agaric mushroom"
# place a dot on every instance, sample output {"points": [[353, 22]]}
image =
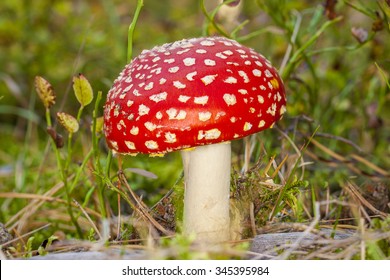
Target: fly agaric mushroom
{"points": [[195, 95]]}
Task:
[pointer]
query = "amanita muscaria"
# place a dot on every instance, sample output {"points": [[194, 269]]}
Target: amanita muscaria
{"points": [[195, 95]]}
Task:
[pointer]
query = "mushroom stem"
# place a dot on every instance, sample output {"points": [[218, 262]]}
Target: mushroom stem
{"points": [[207, 190]]}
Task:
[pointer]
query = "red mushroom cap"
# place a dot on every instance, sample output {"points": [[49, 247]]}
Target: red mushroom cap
{"points": [[190, 93]]}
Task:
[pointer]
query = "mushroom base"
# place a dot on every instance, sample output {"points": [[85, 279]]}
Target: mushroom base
{"points": [[207, 191]]}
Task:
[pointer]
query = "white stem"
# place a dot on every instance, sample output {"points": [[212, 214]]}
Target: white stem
{"points": [[207, 190]]}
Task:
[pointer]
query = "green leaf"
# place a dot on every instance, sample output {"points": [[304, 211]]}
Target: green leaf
{"points": [[82, 89]]}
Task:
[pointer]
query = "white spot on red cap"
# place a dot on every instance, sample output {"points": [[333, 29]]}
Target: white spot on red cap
{"points": [[207, 43], [260, 99], [189, 61], [258, 63], [120, 124], [114, 144], [209, 134], [242, 91], [228, 52], [230, 80], [204, 116], [201, 51], [173, 69], [227, 43], [130, 145], [186, 45], [151, 145], [179, 85], [278, 96], [244, 76], [230, 99], [209, 62], [128, 88], [170, 137], [268, 74], [190, 76], [202, 100], [159, 97], [282, 110], [208, 79], [150, 126], [221, 55], [219, 114], [183, 98], [261, 123], [169, 60], [116, 110], [156, 70], [247, 126], [272, 110], [129, 103], [174, 114], [149, 86], [232, 63], [143, 110], [256, 72], [183, 51], [134, 130], [162, 81]]}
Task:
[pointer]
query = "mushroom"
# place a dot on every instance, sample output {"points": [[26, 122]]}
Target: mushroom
{"points": [[195, 95]]}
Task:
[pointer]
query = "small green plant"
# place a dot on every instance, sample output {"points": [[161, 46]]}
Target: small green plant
{"points": [[69, 173], [42, 249], [28, 248]]}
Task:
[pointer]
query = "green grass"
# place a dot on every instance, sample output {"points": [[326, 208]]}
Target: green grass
{"points": [[332, 145]]}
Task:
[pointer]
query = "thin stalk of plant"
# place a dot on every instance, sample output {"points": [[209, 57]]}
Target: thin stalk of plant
{"points": [[130, 33], [291, 178], [299, 54], [66, 187], [341, 48], [80, 170], [361, 9], [97, 127], [72, 126], [239, 27], [211, 18]]}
